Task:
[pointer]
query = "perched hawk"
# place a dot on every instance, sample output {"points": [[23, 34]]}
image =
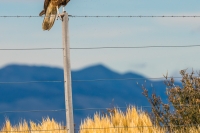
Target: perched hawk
{"points": [[51, 12]]}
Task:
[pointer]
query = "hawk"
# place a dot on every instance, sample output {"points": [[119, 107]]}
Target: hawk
{"points": [[51, 12]]}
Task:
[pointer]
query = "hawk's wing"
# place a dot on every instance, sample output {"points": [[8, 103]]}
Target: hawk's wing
{"points": [[46, 4], [64, 2]]}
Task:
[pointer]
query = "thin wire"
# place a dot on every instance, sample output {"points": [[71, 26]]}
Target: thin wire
{"points": [[84, 109], [31, 49], [28, 111], [32, 130], [27, 82], [133, 16], [108, 16], [185, 125], [57, 110], [92, 80], [139, 47], [6, 16], [143, 126]]}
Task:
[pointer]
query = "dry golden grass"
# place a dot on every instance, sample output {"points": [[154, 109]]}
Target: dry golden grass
{"points": [[46, 126], [132, 121]]}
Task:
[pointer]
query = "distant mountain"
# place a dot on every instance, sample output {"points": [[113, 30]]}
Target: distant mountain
{"points": [[86, 94]]}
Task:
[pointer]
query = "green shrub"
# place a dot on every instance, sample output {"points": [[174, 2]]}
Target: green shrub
{"points": [[183, 107]]}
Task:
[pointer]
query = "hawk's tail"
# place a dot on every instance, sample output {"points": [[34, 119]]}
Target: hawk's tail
{"points": [[49, 18]]}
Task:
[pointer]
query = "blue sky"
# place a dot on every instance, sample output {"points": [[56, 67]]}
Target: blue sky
{"points": [[99, 32]]}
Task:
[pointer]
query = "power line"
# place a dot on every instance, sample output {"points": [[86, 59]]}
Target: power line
{"points": [[32, 130], [55, 110], [30, 49], [92, 80], [133, 16], [107, 16], [185, 125], [139, 47], [28, 111], [85, 109], [79, 48], [27, 82], [16, 16], [101, 128]]}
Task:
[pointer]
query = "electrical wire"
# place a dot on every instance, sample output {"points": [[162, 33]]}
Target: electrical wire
{"points": [[101, 128], [92, 80], [106, 16], [28, 111], [6, 49], [134, 16], [85, 109], [90, 48], [33, 130], [139, 47], [27, 82]]}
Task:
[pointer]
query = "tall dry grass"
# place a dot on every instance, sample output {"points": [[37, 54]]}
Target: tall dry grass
{"points": [[131, 121], [46, 126]]}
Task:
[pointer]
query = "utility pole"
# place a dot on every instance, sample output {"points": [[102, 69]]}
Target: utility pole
{"points": [[67, 74]]}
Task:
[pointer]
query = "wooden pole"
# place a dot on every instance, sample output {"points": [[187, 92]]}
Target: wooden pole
{"points": [[67, 74]]}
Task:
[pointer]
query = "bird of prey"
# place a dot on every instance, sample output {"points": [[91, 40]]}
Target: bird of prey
{"points": [[51, 12]]}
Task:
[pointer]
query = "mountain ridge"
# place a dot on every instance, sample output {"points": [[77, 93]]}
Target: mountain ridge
{"points": [[50, 95]]}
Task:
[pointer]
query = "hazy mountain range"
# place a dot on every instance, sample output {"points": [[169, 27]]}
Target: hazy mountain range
{"points": [[86, 94]]}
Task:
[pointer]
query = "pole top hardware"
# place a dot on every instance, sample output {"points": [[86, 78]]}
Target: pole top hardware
{"points": [[62, 15]]}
